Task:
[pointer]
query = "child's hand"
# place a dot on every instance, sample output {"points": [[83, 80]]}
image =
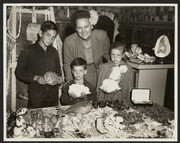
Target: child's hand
{"points": [[62, 85], [59, 80], [66, 83], [73, 95], [83, 95], [40, 80], [114, 91]]}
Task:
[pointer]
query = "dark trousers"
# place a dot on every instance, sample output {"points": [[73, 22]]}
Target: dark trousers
{"points": [[40, 99]]}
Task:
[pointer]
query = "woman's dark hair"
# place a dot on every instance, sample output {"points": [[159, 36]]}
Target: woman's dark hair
{"points": [[78, 62], [78, 15], [48, 25], [118, 45]]}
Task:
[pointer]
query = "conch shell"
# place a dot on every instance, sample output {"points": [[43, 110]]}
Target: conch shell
{"points": [[162, 47]]}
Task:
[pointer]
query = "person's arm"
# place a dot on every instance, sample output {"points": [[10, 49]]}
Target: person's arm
{"points": [[67, 60], [58, 67], [93, 95], [106, 46], [58, 70], [21, 71], [65, 99], [127, 83], [99, 81]]}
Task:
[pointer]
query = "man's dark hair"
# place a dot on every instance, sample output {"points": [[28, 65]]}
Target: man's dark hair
{"points": [[78, 62]]}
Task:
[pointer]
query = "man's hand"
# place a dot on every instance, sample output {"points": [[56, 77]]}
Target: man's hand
{"points": [[40, 80]]}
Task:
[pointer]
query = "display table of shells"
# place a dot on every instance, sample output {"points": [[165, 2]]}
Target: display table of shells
{"points": [[110, 119]]}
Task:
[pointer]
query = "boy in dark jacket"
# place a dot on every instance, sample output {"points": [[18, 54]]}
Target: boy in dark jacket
{"points": [[79, 89], [34, 62]]}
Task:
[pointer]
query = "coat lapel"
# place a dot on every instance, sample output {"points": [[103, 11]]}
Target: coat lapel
{"points": [[80, 48], [110, 66], [93, 47]]}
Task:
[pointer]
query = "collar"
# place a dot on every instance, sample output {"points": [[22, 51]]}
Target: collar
{"points": [[85, 82], [49, 48]]}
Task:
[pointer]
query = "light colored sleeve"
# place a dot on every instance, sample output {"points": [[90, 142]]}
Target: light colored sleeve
{"points": [[101, 77], [106, 46], [68, 57]]}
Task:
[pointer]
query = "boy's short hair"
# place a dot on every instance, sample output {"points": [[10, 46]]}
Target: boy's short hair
{"points": [[78, 62], [118, 45], [48, 25]]}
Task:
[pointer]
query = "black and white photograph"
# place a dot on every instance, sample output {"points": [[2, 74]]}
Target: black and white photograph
{"points": [[90, 72]]}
